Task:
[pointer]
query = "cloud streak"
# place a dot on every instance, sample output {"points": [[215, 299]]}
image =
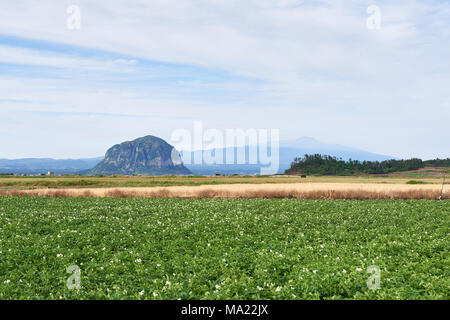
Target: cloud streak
{"points": [[308, 67]]}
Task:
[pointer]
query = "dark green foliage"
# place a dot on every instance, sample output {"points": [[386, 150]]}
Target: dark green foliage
{"points": [[328, 165], [415, 182], [438, 162]]}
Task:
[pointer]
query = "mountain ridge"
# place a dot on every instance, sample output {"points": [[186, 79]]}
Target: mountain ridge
{"points": [[289, 149]]}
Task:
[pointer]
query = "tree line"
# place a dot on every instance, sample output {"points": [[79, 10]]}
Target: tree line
{"points": [[329, 165]]}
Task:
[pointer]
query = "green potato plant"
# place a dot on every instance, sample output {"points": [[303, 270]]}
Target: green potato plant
{"points": [[223, 249]]}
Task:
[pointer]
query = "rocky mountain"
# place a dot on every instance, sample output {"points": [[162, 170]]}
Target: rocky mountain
{"points": [[148, 155]]}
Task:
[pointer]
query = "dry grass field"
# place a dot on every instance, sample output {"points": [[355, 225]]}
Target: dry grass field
{"points": [[280, 190], [313, 187]]}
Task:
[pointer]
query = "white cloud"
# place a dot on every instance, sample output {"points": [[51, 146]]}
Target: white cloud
{"points": [[320, 65], [262, 38], [23, 56]]}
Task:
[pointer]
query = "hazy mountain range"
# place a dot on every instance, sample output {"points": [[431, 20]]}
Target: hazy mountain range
{"points": [[43, 165], [287, 152]]}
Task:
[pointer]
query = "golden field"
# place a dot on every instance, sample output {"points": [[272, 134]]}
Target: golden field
{"points": [[279, 186], [316, 190]]}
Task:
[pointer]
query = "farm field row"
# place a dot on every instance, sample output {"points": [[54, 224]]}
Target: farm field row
{"points": [[17, 182], [223, 249]]}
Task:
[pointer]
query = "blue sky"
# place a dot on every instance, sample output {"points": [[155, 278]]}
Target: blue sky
{"points": [[308, 68]]}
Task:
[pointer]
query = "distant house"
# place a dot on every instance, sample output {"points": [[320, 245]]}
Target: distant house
{"points": [[50, 173]]}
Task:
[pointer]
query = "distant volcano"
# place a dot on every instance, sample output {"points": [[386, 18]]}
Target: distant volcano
{"points": [[148, 155]]}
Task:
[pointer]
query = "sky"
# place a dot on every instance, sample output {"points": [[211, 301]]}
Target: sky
{"points": [[334, 70]]}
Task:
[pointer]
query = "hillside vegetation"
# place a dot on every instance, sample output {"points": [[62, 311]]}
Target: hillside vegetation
{"points": [[327, 165]]}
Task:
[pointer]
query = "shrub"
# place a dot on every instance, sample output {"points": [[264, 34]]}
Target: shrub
{"points": [[416, 182]]}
